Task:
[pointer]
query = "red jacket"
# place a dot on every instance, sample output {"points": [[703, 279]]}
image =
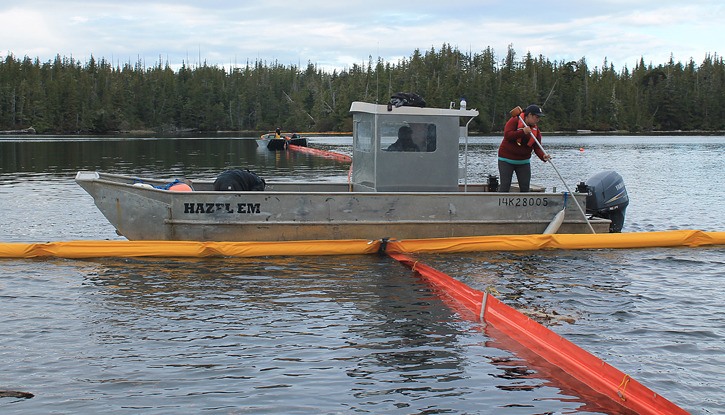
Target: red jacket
{"points": [[517, 145]]}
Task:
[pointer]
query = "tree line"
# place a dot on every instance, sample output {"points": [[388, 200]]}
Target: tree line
{"points": [[66, 96]]}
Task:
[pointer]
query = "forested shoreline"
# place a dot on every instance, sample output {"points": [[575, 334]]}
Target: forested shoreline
{"points": [[66, 96]]}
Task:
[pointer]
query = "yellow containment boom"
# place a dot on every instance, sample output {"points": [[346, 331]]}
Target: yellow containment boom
{"points": [[689, 238], [95, 249]]}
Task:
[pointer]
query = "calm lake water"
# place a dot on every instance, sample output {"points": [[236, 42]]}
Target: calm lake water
{"points": [[348, 334]]}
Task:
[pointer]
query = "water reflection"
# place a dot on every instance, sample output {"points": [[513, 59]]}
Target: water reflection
{"points": [[361, 328], [191, 157]]}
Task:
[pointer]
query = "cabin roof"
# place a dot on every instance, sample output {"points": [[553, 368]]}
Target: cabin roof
{"points": [[369, 108]]}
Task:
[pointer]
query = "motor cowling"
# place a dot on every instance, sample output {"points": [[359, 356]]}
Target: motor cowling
{"points": [[606, 197]]}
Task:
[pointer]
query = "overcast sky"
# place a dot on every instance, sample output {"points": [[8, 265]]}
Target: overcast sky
{"points": [[336, 34]]}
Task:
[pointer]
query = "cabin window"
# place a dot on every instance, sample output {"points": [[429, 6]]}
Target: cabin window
{"points": [[364, 136], [406, 136]]}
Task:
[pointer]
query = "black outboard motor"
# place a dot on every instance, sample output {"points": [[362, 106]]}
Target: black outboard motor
{"points": [[606, 198], [492, 183]]}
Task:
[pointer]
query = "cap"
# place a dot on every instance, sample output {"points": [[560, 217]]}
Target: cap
{"points": [[534, 109]]}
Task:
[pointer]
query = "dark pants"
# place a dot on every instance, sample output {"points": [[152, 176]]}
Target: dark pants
{"points": [[507, 170]]}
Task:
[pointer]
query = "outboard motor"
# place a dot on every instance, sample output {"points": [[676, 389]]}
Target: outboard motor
{"points": [[606, 197], [492, 183]]}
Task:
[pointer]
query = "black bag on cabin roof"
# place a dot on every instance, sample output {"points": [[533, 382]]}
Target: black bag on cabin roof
{"points": [[407, 99], [239, 180]]}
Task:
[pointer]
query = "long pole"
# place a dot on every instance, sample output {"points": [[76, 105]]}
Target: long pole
{"points": [[561, 178]]}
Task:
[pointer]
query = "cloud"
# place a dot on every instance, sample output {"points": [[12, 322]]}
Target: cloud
{"points": [[339, 34], [14, 32]]}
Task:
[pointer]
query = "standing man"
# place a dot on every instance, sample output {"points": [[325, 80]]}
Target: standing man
{"points": [[514, 153]]}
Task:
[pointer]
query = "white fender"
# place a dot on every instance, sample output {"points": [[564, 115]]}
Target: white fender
{"points": [[555, 223]]}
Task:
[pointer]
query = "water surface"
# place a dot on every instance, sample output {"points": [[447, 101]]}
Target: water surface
{"points": [[349, 334]]}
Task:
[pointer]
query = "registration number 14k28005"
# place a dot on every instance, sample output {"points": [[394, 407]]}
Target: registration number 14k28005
{"points": [[519, 201]]}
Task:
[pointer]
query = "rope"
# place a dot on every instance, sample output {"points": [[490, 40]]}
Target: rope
{"points": [[167, 186], [482, 315], [349, 178], [622, 387]]}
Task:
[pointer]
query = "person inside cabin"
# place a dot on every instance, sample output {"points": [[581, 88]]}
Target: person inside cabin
{"points": [[514, 153], [405, 140]]}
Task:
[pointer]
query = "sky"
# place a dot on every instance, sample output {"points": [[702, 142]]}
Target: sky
{"points": [[334, 35]]}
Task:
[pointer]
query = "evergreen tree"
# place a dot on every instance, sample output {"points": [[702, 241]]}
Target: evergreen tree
{"points": [[64, 95]]}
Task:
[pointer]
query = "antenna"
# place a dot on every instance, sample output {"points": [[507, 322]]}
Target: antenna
{"points": [[550, 92], [377, 76]]}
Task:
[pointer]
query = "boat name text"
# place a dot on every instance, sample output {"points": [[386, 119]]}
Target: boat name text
{"points": [[222, 207], [523, 201]]}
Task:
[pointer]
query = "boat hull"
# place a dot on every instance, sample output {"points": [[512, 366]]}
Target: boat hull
{"points": [[322, 211], [276, 144]]}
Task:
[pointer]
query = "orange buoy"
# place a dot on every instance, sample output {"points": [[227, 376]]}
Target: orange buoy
{"points": [[180, 187]]}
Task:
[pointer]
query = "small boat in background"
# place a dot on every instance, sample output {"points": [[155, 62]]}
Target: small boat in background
{"points": [[275, 141]]}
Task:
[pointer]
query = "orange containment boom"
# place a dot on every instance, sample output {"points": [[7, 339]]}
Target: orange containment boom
{"points": [[605, 380], [321, 153]]}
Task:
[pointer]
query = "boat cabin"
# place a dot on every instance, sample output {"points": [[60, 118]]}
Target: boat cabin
{"points": [[406, 149]]}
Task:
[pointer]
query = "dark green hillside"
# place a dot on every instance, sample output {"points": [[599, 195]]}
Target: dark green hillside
{"points": [[68, 96]]}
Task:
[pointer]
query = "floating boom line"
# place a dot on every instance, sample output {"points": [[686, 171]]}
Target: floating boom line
{"points": [[617, 389], [122, 248]]}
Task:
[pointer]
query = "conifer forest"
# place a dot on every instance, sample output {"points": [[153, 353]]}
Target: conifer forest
{"points": [[67, 96]]}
